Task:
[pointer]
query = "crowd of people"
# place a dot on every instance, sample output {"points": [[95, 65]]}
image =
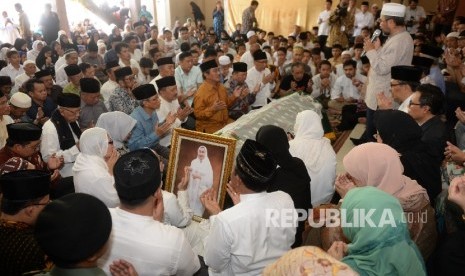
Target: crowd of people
{"points": [[86, 121]]}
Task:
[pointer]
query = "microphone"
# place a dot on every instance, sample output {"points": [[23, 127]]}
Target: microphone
{"points": [[375, 35]]}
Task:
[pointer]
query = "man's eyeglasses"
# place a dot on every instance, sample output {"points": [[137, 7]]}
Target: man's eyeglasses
{"points": [[75, 112], [397, 84], [412, 103]]}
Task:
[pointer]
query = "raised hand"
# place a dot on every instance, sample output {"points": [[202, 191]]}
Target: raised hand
{"points": [[209, 201], [235, 196]]}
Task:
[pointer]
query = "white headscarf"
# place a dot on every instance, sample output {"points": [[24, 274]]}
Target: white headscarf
{"points": [[197, 186], [90, 170], [32, 54], [118, 124], [316, 151], [3, 52]]}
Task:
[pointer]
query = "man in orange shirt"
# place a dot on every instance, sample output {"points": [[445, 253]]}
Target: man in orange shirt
{"points": [[211, 101]]}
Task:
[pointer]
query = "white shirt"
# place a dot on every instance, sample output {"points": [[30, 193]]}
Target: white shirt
{"points": [[133, 64], [186, 82], [177, 211], [317, 89], [248, 59], [323, 27], [344, 87], [253, 79], [19, 81], [61, 77], [241, 242], [405, 104], [107, 89], [363, 20], [11, 72], [417, 13], [137, 55], [165, 108], [150, 246], [49, 144]]}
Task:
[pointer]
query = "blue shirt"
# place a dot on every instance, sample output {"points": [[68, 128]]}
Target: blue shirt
{"points": [[48, 108], [143, 134]]}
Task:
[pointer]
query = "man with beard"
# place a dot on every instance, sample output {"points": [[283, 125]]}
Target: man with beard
{"points": [[398, 50]]}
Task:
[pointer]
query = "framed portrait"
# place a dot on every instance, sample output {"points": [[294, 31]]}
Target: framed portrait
{"points": [[209, 159]]}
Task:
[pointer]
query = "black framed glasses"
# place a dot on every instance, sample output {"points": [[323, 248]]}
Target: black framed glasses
{"points": [[412, 103]]}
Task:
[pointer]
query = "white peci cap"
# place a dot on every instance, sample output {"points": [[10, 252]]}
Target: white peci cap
{"points": [[224, 60], [393, 9], [21, 100], [250, 34]]}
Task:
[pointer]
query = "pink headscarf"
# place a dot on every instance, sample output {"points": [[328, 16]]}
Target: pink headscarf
{"points": [[379, 165]]}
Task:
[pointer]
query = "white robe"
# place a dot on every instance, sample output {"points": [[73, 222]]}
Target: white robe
{"points": [[197, 186], [318, 155]]}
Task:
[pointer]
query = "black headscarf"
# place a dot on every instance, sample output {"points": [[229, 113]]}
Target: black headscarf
{"points": [[40, 60], [400, 131], [291, 176]]}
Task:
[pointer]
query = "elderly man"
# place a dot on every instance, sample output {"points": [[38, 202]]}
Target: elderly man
{"points": [[297, 81], [122, 99], [404, 81], [91, 105], [169, 105], [60, 134], [231, 232], [148, 130], [19, 105], [398, 50], [211, 101], [260, 77], [25, 194], [30, 68], [74, 74], [42, 105], [138, 232], [165, 67], [248, 17], [242, 105]]}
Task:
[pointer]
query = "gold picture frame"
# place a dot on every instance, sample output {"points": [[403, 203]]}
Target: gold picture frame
{"points": [[214, 168]]}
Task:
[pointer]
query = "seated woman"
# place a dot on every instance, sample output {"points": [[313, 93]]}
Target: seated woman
{"points": [[119, 125], [93, 168], [382, 249], [291, 175], [399, 130], [308, 260], [378, 165], [310, 145]]}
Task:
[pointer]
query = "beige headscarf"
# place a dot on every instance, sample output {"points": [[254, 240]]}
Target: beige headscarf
{"points": [[379, 165]]}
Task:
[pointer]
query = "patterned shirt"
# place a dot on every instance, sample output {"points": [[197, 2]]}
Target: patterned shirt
{"points": [[242, 105], [248, 18], [122, 101], [20, 252]]}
